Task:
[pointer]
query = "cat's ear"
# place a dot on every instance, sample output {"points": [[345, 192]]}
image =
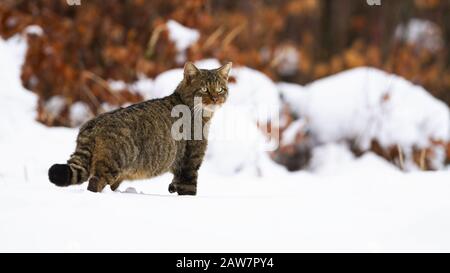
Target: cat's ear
{"points": [[224, 71], [190, 70]]}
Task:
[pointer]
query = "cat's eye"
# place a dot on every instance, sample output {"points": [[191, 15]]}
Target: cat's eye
{"points": [[203, 89], [220, 90]]}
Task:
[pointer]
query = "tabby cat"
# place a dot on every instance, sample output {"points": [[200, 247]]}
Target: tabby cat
{"points": [[136, 142]]}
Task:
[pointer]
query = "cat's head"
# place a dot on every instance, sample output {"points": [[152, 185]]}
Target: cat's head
{"points": [[209, 85]]}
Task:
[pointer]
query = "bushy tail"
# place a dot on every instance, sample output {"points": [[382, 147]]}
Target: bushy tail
{"points": [[76, 171]]}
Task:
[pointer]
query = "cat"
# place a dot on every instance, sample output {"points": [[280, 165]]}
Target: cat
{"points": [[136, 142]]}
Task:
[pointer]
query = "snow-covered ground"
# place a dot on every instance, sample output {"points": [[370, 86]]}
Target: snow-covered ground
{"points": [[366, 104], [342, 204]]}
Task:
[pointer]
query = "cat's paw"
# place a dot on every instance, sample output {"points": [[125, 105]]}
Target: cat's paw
{"points": [[186, 189], [95, 184], [172, 188], [183, 189]]}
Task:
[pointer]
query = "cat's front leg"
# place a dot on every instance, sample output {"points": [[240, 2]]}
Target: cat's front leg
{"points": [[184, 183], [186, 170]]}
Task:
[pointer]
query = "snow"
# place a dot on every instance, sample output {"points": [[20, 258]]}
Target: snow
{"points": [[237, 144], [79, 113], [117, 85], [286, 60], [364, 204], [34, 30], [295, 95], [55, 105], [368, 104], [143, 86], [166, 82], [421, 33], [291, 132], [183, 37]]}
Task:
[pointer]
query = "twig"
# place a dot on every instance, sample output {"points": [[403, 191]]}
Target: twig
{"points": [[233, 34], [91, 96], [213, 37], [400, 157], [153, 40], [423, 154], [97, 79]]}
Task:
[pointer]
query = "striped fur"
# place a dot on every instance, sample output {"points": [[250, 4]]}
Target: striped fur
{"points": [[136, 143]]}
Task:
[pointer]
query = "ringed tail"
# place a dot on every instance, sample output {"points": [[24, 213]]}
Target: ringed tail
{"points": [[76, 171]]}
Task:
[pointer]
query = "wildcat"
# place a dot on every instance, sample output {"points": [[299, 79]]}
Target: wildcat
{"points": [[136, 142]]}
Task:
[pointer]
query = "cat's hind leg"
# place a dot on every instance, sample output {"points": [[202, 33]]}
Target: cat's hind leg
{"points": [[105, 173], [96, 184], [114, 186]]}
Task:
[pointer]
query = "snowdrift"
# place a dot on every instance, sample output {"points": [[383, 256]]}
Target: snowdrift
{"points": [[364, 105]]}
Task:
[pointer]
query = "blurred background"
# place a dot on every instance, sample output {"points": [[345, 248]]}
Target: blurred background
{"points": [[97, 55]]}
